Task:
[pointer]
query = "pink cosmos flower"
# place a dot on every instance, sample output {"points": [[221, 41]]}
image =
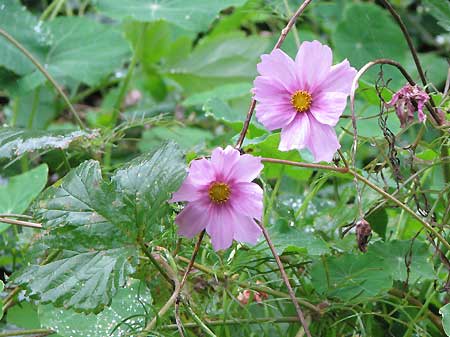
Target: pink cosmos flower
{"points": [[222, 198], [408, 100], [305, 97]]}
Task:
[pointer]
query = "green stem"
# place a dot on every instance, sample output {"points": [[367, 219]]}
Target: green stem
{"points": [[45, 73], [200, 323], [236, 322], [35, 332], [34, 107]]}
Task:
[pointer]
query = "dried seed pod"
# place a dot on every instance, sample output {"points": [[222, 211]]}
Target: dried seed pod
{"points": [[363, 234]]}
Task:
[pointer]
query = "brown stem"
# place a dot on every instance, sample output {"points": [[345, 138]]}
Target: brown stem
{"points": [[286, 280], [21, 223], [307, 165], [284, 33]]}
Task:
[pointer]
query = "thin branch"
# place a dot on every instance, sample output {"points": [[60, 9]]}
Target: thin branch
{"points": [[155, 263], [289, 319], [284, 33], [21, 223], [286, 280], [49, 77], [34, 332], [307, 165]]}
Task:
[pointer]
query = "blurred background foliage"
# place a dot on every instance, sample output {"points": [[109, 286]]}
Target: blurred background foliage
{"points": [[143, 72]]}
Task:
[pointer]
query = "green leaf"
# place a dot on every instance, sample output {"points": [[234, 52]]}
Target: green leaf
{"points": [[221, 111], [440, 10], [128, 306], [19, 191], [26, 29], [267, 146], [351, 277], [397, 253], [291, 239], [378, 222], [445, 312], [380, 38], [195, 15], [190, 136], [83, 50], [16, 142], [97, 226], [217, 61], [433, 65], [224, 92]]}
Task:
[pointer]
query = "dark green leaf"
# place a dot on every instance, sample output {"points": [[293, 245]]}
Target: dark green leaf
{"points": [[97, 226], [440, 9], [378, 222]]}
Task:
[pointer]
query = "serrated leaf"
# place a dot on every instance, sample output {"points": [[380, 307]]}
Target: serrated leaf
{"points": [[128, 306], [83, 49], [16, 142], [351, 277], [195, 15], [97, 226], [19, 191], [26, 29], [85, 281], [397, 253]]}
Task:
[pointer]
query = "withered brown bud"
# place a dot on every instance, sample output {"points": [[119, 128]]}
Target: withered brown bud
{"points": [[363, 234]]}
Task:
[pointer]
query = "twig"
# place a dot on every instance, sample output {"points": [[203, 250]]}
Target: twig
{"points": [[21, 223], [289, 319], [11, 215], [49, 77], [256, 287], [35, 332], [284, 33], [155, 263], [174, 298], [307, 165], [286, 280]]}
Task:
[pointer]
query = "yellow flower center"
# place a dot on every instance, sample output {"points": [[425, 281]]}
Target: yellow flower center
{"points": [[219, 193], [301, 100]]}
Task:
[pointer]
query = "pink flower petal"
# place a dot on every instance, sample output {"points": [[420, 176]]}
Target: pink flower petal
{"points": [[246, 169], [269, 90], [188, 191], [327, 107], [279, 66], [223, 161], [192, 219], [296, 134], [275, 116], [323, 142], [339, 79], [201, 172], [313, 63], [220, 227], [246, 230], [248, 199]]}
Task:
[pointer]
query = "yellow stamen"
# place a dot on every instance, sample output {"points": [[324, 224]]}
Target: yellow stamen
{"points": [[301, 100], [219, 193]]}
